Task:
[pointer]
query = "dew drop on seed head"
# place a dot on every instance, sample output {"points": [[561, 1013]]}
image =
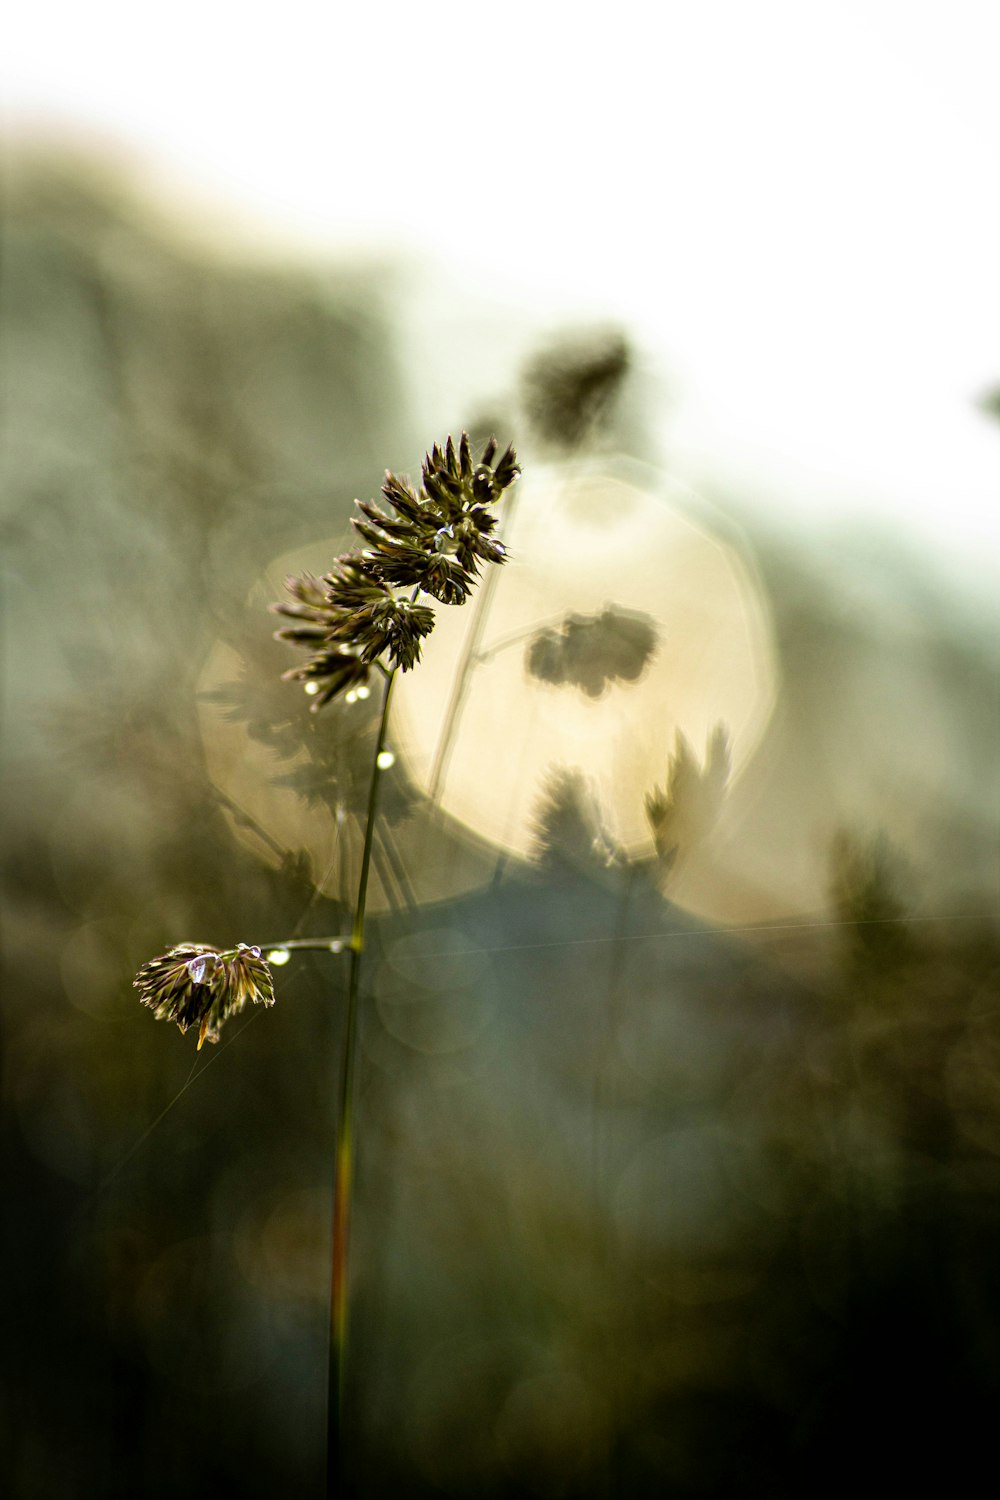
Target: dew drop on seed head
{"points": [[196, 968], [385, 759], [278, 956], [312, 687], [364, 692]]}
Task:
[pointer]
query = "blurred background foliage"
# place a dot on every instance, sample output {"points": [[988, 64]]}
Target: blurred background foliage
{"points": [[647, 1202]]}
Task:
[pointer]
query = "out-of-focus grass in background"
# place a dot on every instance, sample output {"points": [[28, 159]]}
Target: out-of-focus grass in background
{"points": [[680, 1181]]}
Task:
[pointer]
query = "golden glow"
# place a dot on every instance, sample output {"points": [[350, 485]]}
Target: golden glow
{"points": [[580, 541]]}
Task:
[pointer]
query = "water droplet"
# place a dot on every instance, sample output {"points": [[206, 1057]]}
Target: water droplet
{"points": [[364, 692], [312, 687], [196, 968], [385, 759], [278, 956], [351, 697], [337, 946]]}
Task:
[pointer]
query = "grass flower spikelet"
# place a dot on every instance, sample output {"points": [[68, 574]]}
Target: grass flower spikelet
{"points": [[195, 984], [431, 542]]}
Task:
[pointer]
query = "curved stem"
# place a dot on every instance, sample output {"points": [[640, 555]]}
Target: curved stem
{"points": [[470, 659], [339, 944], [246, 820], [344, 1162], [517, 636]]}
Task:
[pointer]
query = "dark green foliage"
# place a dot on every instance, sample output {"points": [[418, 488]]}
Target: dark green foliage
{"points": [[683, 811], [865, 881]]}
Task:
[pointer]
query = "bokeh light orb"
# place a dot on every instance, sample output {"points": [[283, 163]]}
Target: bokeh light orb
{"points": [[622, 617]]}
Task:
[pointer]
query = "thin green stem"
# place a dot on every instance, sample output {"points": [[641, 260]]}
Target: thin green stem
{"points": [[516, 636], [339, 944], [470, 659], [344, 1161], [243, 819], [397, 867]]}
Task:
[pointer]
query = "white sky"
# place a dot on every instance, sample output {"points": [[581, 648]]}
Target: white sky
{"points": [[794, 206]]}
